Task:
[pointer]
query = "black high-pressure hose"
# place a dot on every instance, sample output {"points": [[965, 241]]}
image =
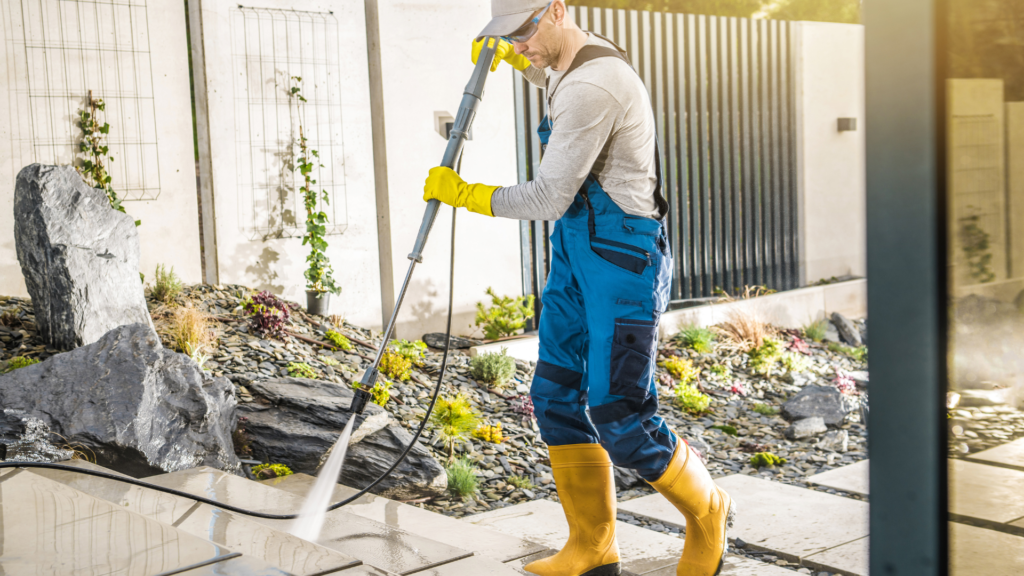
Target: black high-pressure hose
{"points": [[453, 154]]}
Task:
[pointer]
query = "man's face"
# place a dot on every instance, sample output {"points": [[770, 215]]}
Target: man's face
{"points": [[542, 48]]}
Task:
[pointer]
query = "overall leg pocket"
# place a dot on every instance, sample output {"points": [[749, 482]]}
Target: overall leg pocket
{"points": [[632, 357], [625, 256]]}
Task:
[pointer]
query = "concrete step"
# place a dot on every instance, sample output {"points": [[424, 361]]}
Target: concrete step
{"points": [[822, 531], [852, 478], [975, 551], [375, 543], [985, 492], [50, 528], [234, 531], [1009, 455], [643, 552], [484, 542]]}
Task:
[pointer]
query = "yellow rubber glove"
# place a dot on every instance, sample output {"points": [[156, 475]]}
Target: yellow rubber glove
{"points": [[446, 185], [504, 52]]}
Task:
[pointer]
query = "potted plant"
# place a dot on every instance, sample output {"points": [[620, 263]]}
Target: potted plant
{"points": [[320, 282]]}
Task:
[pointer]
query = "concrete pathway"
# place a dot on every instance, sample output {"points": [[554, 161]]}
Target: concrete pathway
{"points": [[852, 478]]}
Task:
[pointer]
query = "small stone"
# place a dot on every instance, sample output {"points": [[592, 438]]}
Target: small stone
{"points": [[806, 428]]}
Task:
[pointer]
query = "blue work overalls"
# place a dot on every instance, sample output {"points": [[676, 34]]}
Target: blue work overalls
{"points": [[608, 285]]}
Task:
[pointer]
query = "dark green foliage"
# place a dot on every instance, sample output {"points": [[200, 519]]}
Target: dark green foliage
{"points": [[974, 241], [765, 459], [700, 340], [730, 430], [462, 481]]}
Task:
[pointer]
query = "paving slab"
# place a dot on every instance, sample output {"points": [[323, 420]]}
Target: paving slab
{"points": [[234, 531], [374, 543], [542, 521], [472, 566], [795, 522], [851, 558], [49, 528], [490, 543], [976, 551], [238, 566], [852, 478], [736, 566], [1010, 455], [985, 492]]}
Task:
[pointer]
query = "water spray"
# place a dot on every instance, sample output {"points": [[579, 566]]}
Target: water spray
{"points": [[452, 156]]}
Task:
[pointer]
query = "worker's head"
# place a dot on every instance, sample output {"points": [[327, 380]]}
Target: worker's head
{"points": [[536, 28]]}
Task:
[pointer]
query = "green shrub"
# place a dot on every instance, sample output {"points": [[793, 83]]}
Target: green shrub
{"points": [[765, 459], [18, 362], [691, 400], [521, 482], [506, 316], [279, 470], [858, 354], [700, 340], [764, 357], [339, 340], [765, 409], [414, 350], [794, 362], [681, 369], [395, 366], [454, 419], [462, 481], [301, 370], [167, 285], [494, 368], [815, 331], [721, 370]]}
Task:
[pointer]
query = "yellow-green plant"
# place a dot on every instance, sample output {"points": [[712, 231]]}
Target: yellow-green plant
{"points": [[506, 316], [691, 400], [815, 331], [328, 361], [381, 392], [494, 368], [764, 357], [301, 370], [18, 362], [859, 354], [765, 409], [682, 369], [338, 340], [794, 362], [414, 350], [462, 480], [454, 419], [765, 459], [279, 470], [521, 482], [167, 285], [319, 274], [395, 366], [489, 433], [721, 371], [700, 340]]}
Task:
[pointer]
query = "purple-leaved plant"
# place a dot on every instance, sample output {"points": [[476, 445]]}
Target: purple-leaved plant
{"points": [[522, 404], [268, 314], [845, 384]]}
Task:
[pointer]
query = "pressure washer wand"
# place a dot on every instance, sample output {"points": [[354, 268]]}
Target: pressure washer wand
{"points": [[456, 140]]}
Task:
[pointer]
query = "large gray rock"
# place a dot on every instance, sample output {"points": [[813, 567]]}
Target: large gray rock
{"points": [[140, 408], [297, 420], [848, 331], [987, 339], [79, 256], [418, 476], [825, 402], [806, 428]]}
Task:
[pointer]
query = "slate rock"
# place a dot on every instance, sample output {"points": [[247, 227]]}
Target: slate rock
{"points": [[847, 330], [806, 428], [436, 340], [835, 441], [79, 256], [831, 333], [297, 420], [418, 476], [826, 402], [988, 336], [626, 478], [140, 408]]}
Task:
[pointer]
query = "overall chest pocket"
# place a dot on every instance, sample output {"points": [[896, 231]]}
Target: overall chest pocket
{"points": [[632, 357]]}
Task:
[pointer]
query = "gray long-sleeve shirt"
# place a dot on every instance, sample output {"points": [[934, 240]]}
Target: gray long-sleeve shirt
{"points": [[601, 123]]}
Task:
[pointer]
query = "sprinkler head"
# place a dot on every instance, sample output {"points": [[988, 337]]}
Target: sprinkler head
{"points": [[359, 401]]}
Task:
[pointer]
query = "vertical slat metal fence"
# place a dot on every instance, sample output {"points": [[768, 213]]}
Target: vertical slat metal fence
{"points": [[722, 93]]}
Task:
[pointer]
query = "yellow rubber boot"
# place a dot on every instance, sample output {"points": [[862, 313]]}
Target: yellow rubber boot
{"points": [[586, 489], [707, 508]]}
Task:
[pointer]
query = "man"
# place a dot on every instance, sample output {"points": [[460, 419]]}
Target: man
{"points": [[594, 389]]}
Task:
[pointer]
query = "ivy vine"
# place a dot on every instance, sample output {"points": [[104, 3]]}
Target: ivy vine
{"points": [[974, 241], [319, 273], [93, 170]]}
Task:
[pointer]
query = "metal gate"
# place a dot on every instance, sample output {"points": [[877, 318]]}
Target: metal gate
{"points": [[721, 89]]}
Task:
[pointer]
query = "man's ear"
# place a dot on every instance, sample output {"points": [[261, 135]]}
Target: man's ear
{"points": [[559, 11]]}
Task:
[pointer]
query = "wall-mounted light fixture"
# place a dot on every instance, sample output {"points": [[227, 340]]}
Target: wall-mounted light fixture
{"points": [[847, 124]]}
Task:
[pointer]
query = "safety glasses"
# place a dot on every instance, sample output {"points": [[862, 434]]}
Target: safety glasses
{"points": [[526, 31]]}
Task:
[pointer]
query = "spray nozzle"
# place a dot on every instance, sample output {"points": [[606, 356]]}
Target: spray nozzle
{"points": [[359, 401]]}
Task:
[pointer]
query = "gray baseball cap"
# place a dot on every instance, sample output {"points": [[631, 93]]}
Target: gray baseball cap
{"points": [[508, 15]]}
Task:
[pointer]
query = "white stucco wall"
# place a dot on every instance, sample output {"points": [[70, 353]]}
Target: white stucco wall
{"points": [[225, 108], [425, 62], [147, 101], [829, 78]]}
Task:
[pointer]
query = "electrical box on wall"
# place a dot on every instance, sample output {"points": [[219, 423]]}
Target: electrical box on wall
{"points": [[847, 124]]}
